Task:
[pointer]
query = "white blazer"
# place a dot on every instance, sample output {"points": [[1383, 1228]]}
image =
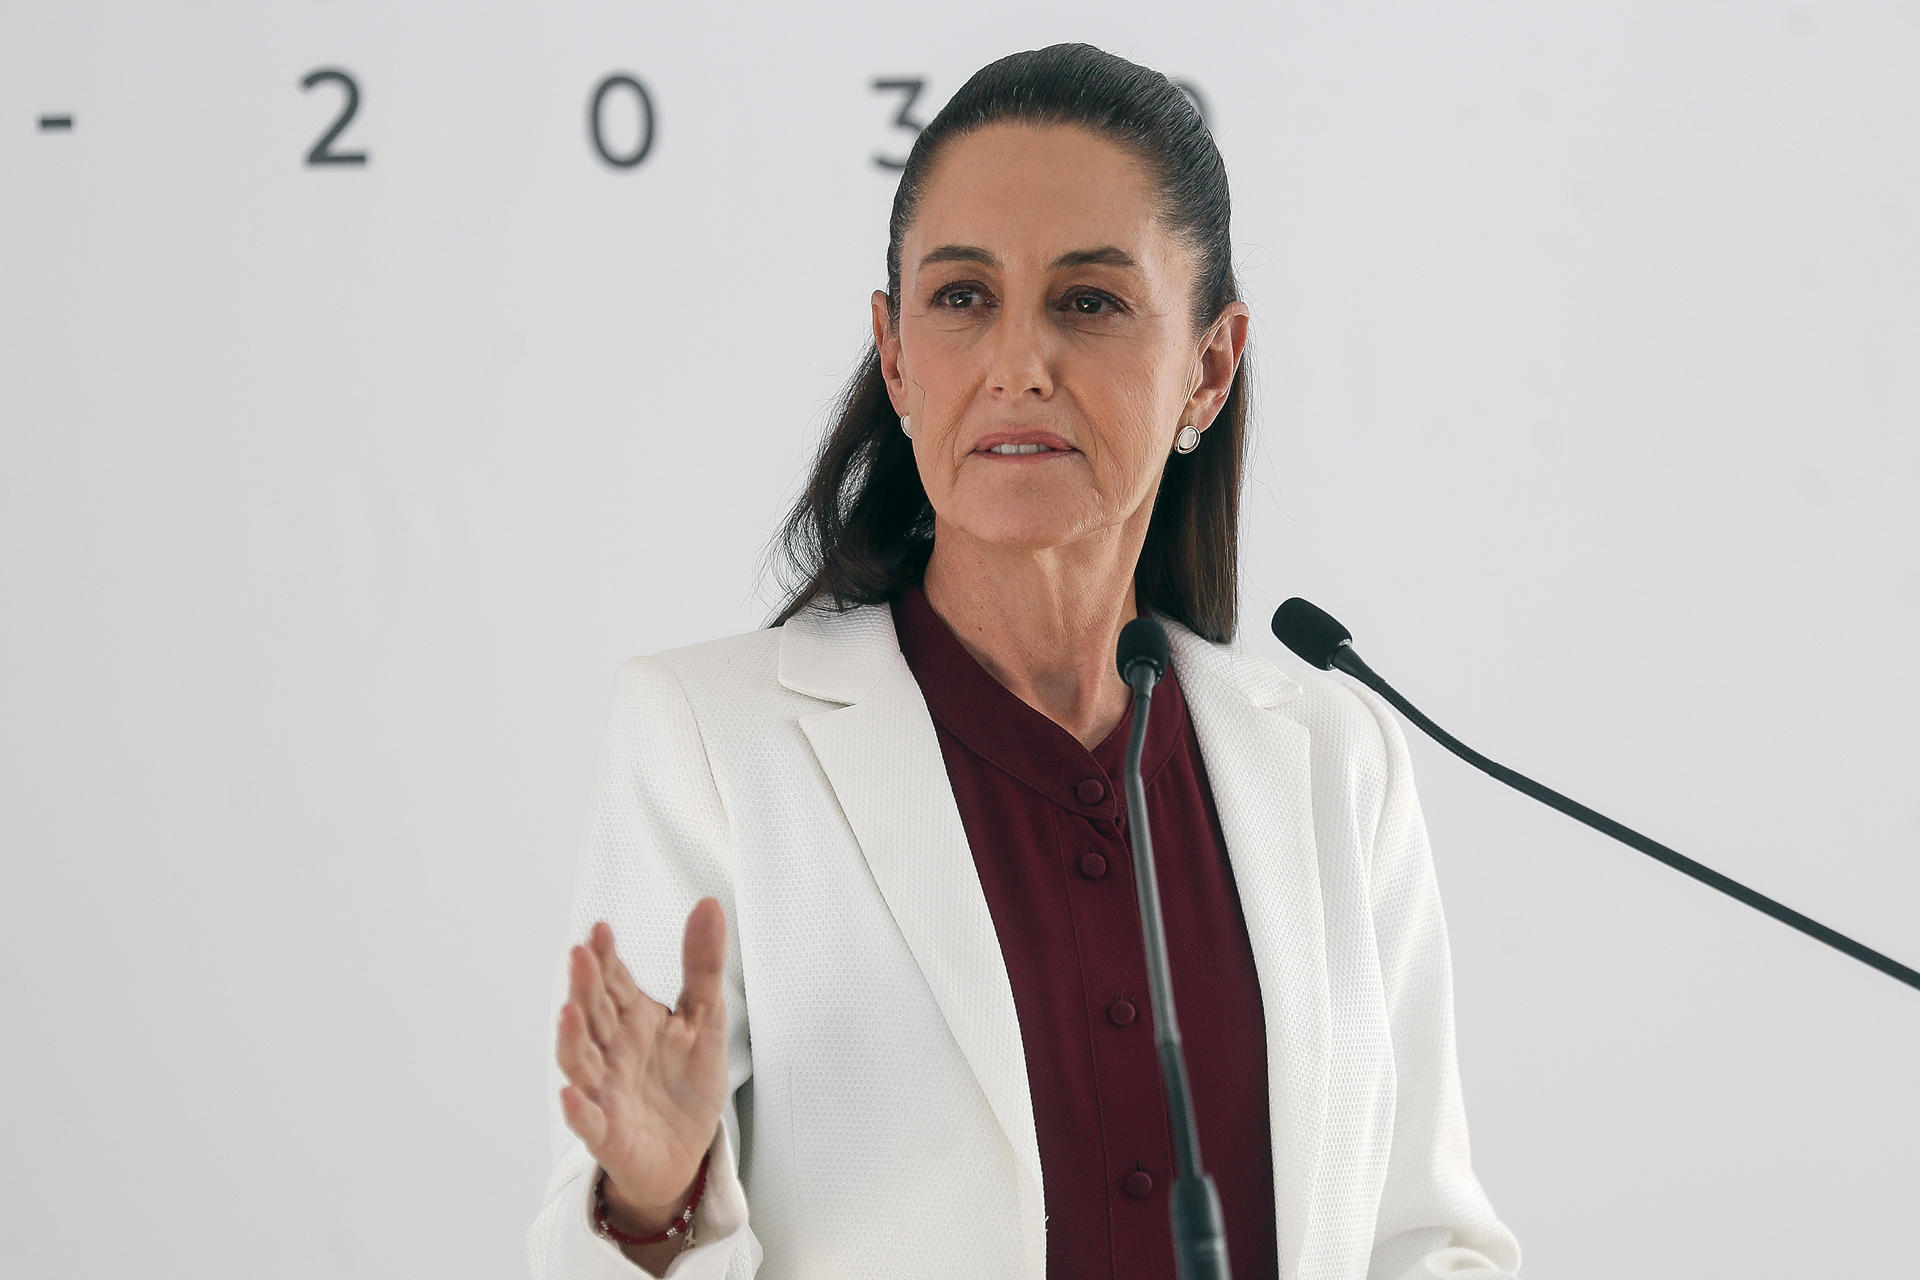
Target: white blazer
{"points": [[880, 1122]]}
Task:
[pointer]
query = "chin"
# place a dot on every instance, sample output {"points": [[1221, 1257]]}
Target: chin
{"points": [[1028, 525]]}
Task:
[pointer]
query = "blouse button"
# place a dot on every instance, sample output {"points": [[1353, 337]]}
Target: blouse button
{"points": [[1139, 1184], [1092, 866], [1121, 1013], [1091, 790]]}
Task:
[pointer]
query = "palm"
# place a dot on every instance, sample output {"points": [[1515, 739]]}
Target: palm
{"points": [[659, 1103]]}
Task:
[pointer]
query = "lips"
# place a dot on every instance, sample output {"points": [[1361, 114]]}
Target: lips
{"points": [[1051, 441]]}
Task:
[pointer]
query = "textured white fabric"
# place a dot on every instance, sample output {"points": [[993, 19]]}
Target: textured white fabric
{"points": [[881, 1123]]}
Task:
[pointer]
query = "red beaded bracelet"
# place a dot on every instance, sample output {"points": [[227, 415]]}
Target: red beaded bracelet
{"points": [[682, 1223]]}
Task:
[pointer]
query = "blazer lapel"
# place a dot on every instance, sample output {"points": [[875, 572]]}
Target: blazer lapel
{"points": [[881, 755], [1257, 762]]}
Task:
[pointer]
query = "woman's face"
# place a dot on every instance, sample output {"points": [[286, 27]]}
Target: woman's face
{"points": [[1041, 302]]}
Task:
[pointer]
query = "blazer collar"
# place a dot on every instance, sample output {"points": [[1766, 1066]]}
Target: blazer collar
{"points": [[839, 657], [878, 748]]}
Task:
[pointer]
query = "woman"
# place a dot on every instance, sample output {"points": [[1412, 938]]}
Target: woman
{"points": [[879, 849]]}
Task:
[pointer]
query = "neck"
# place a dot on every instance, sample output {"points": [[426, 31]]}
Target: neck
{"points": [[1044, 622]]}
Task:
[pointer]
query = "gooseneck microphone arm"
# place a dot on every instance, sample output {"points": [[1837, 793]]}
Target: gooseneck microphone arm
{"points": [[1199, 1228], [1322, 642]]}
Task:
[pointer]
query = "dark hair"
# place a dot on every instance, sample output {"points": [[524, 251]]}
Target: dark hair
{"points": [[862, 530]]}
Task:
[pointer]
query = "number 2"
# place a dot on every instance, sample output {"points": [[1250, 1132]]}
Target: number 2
{"points": [[320, 153]]}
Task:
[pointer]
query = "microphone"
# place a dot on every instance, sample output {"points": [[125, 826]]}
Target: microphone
{"points": [[1143, 653], [1322, 642], [1199, 1228]]}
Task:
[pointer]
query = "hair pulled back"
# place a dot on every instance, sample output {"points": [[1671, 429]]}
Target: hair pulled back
{"points": [[862, 530]]}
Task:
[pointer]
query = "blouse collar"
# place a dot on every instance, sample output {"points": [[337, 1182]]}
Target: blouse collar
{"points": [[1021, 741]]}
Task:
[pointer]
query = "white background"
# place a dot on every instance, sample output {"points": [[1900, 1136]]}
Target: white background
{"points": [[331, 498]]}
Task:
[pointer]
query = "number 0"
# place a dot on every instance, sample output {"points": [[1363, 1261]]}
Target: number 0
{"points": [[600, 93]]}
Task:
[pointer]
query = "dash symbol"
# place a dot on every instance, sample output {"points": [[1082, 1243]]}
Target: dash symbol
{"points": [[56, 124]]}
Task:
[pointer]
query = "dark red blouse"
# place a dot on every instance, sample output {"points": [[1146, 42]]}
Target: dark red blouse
{"points": [[1046, 819]]}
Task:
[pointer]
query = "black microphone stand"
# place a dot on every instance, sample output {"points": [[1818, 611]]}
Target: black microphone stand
{"points": [[1317, 638], [1199, 1229]]}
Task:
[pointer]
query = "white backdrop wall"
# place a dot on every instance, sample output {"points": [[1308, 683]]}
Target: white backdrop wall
{"points": [[1584, 341]]}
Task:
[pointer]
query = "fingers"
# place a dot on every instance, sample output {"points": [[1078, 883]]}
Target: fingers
{"points": [[603, 991], [583, 1117], [703, 959], [589, 990], [625, 991], [576, 1052]]}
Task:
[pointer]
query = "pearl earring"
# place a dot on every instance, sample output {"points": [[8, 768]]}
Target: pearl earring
{"points": [[906, 425], [1188, 440]]}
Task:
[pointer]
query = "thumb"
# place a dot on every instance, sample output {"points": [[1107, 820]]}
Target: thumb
{"points": [[703, 958]]}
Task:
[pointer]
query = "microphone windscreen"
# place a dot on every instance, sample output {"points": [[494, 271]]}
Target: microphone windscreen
{"points": [[1310, 631], [1143, 640]]}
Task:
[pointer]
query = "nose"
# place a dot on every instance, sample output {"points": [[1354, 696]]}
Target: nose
{"points": [[1020, 352]]}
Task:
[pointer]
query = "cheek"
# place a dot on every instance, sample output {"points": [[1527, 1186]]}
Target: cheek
{"points": [[1132, 413], [929, 355]]}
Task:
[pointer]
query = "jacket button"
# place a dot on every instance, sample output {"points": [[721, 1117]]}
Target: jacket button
{"points": [[1121, 1013], [1139, 1184], [1092, 866], [1091, 790]]}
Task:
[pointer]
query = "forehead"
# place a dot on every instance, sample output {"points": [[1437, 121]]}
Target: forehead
{"points": [[1028, 194]]}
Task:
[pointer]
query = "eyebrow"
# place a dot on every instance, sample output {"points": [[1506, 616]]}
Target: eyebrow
{"points": [[1107, 255]]}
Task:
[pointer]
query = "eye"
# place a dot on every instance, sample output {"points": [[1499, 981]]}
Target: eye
{"points": [[1103, 303], [963, 290]]}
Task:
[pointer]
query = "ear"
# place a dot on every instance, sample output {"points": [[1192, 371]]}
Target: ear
{"points": [[886, 337], [1215, 363]]}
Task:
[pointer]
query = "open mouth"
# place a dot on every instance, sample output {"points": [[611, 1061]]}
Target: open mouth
{"points": [[1022, 450]]}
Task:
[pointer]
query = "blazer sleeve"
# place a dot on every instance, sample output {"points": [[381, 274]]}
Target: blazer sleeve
{"points": [[1434, 1218], [656, 842]]}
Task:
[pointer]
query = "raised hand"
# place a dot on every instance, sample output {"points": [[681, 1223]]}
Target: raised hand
{"points": [[648, 1082]]}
